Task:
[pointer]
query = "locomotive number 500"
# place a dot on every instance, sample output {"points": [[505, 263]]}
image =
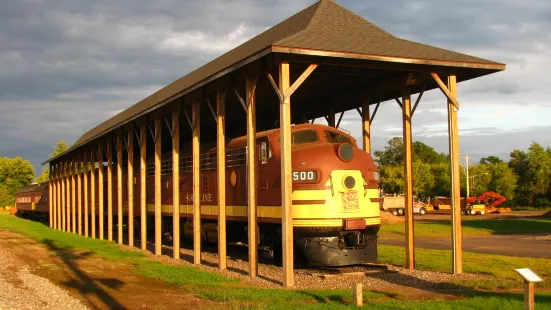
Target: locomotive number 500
{"points": [[305, 175]]}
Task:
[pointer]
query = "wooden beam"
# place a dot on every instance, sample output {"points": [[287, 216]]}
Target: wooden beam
{"points": [[240, 99], [300, 80], [53, 199], [221, 159], [366, 128], [93, 197], [143, 191], [445, 90], [286, 177], [457, 251], [196, 186], [176, 184], [101, 206], [85, 176], [79, 194], [73, 198], [130, 184], [158, 202], [331, 117], [340, 119], [529, 293], [251, 177], [398, 102], [119, 188], [274, 85], [374, 112], [408, 179], [418, 100], [109, 191]]}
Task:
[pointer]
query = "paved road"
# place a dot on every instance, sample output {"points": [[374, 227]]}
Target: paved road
{"points": [[512, 245]]}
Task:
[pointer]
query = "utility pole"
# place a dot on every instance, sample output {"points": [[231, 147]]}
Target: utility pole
{"points": [[467, 173]]}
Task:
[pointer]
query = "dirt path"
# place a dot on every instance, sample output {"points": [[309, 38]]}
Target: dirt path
{"points": [[33, 275], [536, 245]]}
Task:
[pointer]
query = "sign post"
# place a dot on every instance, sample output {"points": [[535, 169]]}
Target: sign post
{"points": [[529, 279]]}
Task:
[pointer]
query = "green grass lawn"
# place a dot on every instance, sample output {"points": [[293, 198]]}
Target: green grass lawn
{"points": [[482, 227], [236, 295]]}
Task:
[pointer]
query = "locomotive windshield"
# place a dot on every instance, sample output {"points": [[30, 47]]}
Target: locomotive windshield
{"points": [[303, 137], [335, 137]]}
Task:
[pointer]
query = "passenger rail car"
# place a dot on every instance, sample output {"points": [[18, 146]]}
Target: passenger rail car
{"points": [[335, 198], [32, 201]]}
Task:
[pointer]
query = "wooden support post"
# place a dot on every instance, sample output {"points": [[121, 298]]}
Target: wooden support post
{"points": [[408, 179], [158, 219], [101, 206], [330, 117], [529, 293], [63, 198], [73, 199], [109, 191], [196, 112], [251, 176], [50, 202], [357, 294], [221, 158], [58, 186], [52, 191], [119, 188], [176, 184], [455, 179], [93, 197], [68, 196], [130, 181], [79, 194], [366, 128], [286, 175], [143, 176], [86, 219]]}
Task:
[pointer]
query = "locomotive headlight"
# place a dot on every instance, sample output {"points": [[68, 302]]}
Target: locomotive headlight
{"points": [[345, 152], [349, 182], [377, 175]]}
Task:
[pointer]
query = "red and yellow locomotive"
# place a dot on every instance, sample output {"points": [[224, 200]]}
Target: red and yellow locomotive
{"points": [[335, 194]]}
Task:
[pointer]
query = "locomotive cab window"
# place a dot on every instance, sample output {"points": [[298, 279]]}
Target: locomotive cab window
{"points": [[336, 137], [265, 152], [303, 137]]}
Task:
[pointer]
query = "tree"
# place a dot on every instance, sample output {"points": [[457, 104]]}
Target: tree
{"points": [[504, 180], [490, 160], [59, 148], [393, 153], [519, 164], [392, 179], [538, 170], [427, 154], [423, 179], [14, 174]]}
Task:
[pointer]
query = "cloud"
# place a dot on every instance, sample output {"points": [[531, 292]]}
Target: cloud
{"points": [[69, 65]]}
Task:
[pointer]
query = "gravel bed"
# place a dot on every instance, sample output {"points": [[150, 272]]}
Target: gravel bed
{"points": [[20, 289], [373, 277]]}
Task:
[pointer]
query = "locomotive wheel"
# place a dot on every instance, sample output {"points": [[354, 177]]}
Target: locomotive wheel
{"points": [[394, 212], [401, 211], [463, 212]]}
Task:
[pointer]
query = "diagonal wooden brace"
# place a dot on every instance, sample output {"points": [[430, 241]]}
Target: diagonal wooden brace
{"points": [[445, 90]]}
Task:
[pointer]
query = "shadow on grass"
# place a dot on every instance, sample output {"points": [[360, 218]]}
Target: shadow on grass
{"points": [[81, 281]]}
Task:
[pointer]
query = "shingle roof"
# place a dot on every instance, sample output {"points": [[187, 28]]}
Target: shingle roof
{"points": [[324, 26]]}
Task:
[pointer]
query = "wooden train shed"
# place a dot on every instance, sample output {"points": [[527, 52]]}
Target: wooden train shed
{"points": [[318, 63]]}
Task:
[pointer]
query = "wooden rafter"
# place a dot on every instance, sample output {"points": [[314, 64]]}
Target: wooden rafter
{"points": [[300, 80], [340, 119]]}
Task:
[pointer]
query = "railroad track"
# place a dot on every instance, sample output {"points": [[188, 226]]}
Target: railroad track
{"points": [[346, 271]]}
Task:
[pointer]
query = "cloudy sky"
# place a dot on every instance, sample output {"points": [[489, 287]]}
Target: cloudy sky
{"points": [[66, 65]]}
